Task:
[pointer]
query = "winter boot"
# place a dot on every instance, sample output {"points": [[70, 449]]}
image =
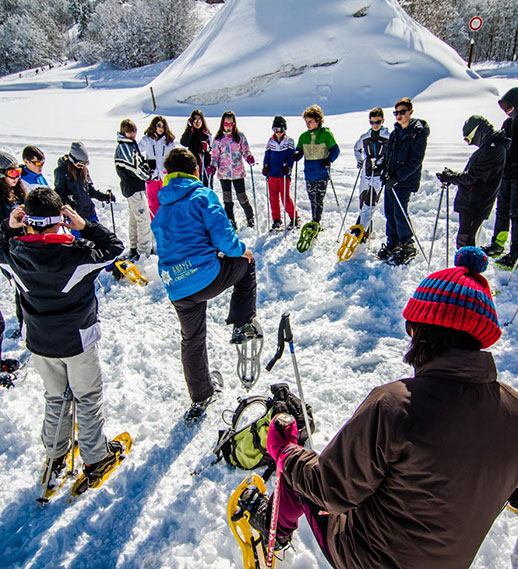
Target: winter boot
{"points": [[276, 225], [387, 250], [294, 223], [97, 470], [256, 504], [9, 365], [197, 409], [507, 261], [250, 222], [133, 255], [493, 250], [404, 254], [242, 334]]}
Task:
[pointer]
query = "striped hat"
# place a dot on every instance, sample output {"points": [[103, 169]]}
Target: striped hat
{"points": [[458, 298]]}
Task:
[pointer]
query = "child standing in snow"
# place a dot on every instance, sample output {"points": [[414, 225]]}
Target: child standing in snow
{"points": [[368, 151], [277, 165], [133, 173], [198, 139], [33, 159], [229, 149], [155, 145], [319, 148]]}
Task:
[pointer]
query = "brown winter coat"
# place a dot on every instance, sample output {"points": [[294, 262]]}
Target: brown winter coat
{"points": [[416, 477]]}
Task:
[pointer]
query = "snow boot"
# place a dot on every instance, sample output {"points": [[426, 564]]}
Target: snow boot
{"points": [[97, 470], [276, 225], [197, 409], [294, 224], [403, 254], [133, 255], [387, 250], [9, 365], [493, 250], [242, 334], [507, 261]]}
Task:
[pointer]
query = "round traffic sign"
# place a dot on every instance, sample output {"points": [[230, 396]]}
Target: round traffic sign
{"points": [[475, 23]]}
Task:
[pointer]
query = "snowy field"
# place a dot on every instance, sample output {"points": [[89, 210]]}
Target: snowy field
{"points": [[156, 512]]}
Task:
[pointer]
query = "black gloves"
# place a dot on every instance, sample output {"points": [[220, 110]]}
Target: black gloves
{"points": [[285, 170], [326, 162], [446, 176], [265, 170], [297, 155]]}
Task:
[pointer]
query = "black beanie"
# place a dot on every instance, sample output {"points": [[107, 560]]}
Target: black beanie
{"points": [[279, 122]]}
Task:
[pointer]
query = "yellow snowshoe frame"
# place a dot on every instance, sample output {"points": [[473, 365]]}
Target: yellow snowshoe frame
{"points": [[52, 489], [254, 553], [130, 271], [350, 242]]}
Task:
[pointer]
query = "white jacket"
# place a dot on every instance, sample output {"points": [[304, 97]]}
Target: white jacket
{"points": [[156, 150]]}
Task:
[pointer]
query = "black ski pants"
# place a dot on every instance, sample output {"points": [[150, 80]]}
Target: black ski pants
{"points": [[191, 310], [507, 212], [316, 193], [468, 227], [242, 198]]}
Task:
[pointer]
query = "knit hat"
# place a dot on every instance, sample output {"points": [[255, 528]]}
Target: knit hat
{"points": [[279, 122], [78, 152], [7, 160], [458, 298], [476, 129]]}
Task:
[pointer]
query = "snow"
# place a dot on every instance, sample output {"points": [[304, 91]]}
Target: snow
{"points": [[256, 55], [166, 507]]}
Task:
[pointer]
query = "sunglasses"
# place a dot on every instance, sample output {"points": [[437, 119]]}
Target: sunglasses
{"points": [[228, 124], [160, 125], [37, 163], [402, 112], [13, 172], [376, 122], [278, 129], [198, 120]]}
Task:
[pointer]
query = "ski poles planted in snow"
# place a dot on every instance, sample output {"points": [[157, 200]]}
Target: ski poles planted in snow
{"points": [[111, 210], [284, 334], [443, 187], [348, 205], [255, 199], [336, 197]]}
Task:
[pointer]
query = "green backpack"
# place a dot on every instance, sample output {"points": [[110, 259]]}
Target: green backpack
{"points": [[243, 444]]}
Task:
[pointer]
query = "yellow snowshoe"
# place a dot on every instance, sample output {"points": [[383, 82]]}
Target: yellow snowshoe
{"points": [[351, 240], [130, 271]]}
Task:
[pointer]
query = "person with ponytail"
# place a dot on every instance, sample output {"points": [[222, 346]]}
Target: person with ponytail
{"points": [[198, 139]]}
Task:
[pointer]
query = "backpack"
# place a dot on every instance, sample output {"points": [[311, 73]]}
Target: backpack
{"points": [[244, 446]]}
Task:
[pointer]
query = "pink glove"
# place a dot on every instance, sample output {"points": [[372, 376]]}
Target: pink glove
{"points": [[279, 444], [211, 170], [250, 159]]}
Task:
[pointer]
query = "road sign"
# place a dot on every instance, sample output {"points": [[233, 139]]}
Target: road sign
{"points": [[475, 23]]}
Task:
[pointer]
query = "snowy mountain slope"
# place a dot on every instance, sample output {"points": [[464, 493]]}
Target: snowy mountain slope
{"points": [[256, 55], [348, 332]]}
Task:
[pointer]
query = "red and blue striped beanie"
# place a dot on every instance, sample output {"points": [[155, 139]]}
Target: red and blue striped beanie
{"points": [[458, 298]]}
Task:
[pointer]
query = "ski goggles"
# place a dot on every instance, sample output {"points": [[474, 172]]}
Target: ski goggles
{"points": [[471, 135], [228, 124], [12, 172], [77, 162], [376, 122], [37, 163], [38, 221], [278, 129]]}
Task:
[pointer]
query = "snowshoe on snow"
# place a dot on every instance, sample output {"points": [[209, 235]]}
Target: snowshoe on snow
{"points": [[307, 235], [253, 545], [196, 411], [249, 344], [61, 469], [126, 269], [95, 475], [350, 242], [403, 254]]}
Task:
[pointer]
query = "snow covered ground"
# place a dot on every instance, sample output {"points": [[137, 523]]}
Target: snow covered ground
{"points": [[156, 512]]}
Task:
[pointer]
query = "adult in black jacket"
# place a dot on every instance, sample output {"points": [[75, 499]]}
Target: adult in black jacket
{"points": [[198, 139], [479, 183], [402, 176], [55, 275], [507, 202], [73, 183]]}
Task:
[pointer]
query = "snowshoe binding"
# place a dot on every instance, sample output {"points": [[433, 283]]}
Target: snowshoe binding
{"points": [[350, 242], [242, 511], [127, 269], [196, 411], [95, 475], [62, 468], [7, 379], [308, 234], [249, 344]]}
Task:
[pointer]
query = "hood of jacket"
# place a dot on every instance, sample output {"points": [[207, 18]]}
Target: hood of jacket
{"points": [[511, 97], [488, 135], [176, 186]]}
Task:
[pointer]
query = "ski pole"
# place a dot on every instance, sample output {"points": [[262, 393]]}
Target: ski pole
{"points": [[255, 200], [280, 422], [267, 203], [447, 225], [284, 334], [409, 223], [111, 210], [370, 203], [512, 319], [443, 187], [348, 205], [336, 197], [71, 472], [43, 499], [295, 189], [284, 205]]}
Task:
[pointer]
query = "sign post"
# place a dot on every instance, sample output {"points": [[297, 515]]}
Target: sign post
{"points": [[474, 25]]}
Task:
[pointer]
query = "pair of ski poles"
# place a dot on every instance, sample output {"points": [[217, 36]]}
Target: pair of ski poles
{"points": [[283, 421], [67, 396]]}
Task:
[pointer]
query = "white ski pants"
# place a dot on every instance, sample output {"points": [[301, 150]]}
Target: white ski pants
{"points": [[83, 374], [139, 224]]}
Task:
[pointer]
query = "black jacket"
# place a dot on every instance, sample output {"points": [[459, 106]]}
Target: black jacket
{"points": [[78, 193], [510, 127], [479, 183], [405, 154], [193, 139], [131, 166], [55, 277]]}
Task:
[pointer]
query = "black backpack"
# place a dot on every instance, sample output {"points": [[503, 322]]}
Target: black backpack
{"points": [[244, 446]]}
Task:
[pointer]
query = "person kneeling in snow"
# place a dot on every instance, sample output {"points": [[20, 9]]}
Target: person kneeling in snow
{"points": [[191, 230], [418, 474], [55, 275]]}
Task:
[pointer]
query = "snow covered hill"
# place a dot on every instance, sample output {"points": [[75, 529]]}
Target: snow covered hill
{"points": [[347, 55]]}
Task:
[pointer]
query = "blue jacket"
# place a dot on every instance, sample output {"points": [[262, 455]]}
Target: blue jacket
{"points": [[278, 154], [191, 228], [30, 179]]}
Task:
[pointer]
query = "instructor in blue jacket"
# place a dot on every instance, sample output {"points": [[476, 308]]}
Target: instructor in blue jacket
{"points": [[192, 230]]}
